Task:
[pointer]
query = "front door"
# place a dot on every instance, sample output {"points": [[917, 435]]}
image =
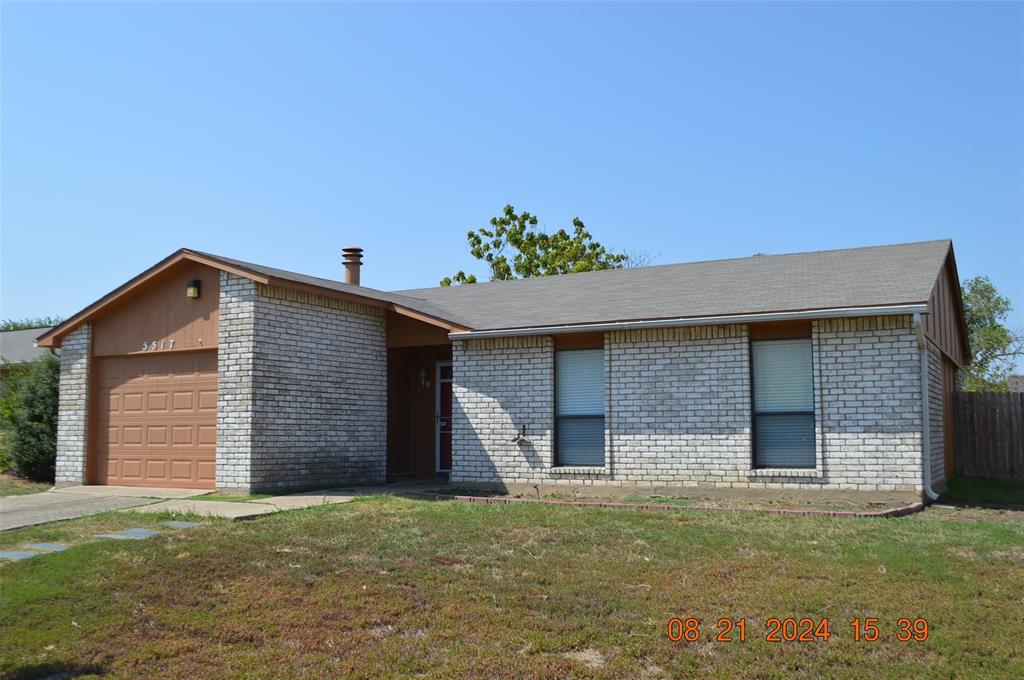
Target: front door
{"points": [[443, 419]]}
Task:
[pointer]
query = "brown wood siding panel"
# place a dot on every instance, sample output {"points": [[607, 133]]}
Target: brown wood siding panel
{"points": [[942, 323], [780, 330], [411, 409], [579, 341], [949, 415], [159, 312], [407, 332], [153, 420]]}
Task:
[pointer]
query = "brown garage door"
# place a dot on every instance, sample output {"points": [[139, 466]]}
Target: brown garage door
{"points": [[155, 420]]}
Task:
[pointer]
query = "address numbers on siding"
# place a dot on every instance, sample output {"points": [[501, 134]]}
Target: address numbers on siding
{"points": [[154, 345]]}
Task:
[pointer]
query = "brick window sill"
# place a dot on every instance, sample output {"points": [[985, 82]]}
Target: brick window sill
{"points": [[785, 472], [580, 470]]}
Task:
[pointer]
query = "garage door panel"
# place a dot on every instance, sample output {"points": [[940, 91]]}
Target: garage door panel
{"points": [[131, 468], [131, 435], [156, 435], [156, 468], [206, 471], [159, 420], [184, 401], [208, 400], [131, 403], [182, 436], [157, 402], [208, 435]]}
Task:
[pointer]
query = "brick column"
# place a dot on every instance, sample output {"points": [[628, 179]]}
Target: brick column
{"points": [[235, 382], [72, 421]]}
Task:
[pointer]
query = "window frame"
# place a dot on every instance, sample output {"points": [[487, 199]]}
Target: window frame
{"points": [[556, 463], [775, 334]]}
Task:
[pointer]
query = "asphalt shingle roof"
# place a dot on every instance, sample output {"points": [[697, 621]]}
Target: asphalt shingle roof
{"points": [[419, 305], [857, 277]]}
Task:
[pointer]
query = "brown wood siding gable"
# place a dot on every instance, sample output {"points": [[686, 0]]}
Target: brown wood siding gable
{"points": [[158, 317], [944, 324]]}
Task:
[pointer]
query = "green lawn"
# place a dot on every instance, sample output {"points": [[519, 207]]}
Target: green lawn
{"points": [[990, 491], [15, 486], [387, 586]]}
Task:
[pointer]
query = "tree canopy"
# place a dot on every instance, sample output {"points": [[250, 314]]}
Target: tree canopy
{"points": [[994, 347], [32, 322], [514, 248]]}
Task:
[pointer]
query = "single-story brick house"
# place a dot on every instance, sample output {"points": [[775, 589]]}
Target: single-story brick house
{"points": [[826, 370]]}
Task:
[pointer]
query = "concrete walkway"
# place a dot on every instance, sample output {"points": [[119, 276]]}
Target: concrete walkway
{"points": [[79, 501], [266, 506]]}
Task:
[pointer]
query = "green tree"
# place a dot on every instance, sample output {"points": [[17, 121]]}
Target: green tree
{"points": [[994, 347], [514, 248], [33, 322], [30, 418]]}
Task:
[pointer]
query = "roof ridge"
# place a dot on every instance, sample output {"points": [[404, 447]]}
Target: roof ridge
{"points": [[407, 291]]}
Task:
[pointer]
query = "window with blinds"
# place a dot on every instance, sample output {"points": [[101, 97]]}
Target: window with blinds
{"points": [[579, 407], [783, 403]]}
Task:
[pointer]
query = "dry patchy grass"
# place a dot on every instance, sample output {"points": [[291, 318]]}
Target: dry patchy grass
{"points": [[16, 486], [388, 586]]}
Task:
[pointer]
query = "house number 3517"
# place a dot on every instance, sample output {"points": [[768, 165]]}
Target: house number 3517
{"points": [[154, 345]]}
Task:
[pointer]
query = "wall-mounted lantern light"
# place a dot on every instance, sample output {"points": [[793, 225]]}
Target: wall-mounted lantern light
{"points": [[424, 378], [192, 289]]}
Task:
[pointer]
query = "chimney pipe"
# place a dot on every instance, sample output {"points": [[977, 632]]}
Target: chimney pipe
{"points": [[353, 259]]}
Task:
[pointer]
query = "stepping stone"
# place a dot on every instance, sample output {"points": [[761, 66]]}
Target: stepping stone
{"points": [[17, 554], [139, 532], [48, 547], [174, 524], [129, 534], [120, 537]]}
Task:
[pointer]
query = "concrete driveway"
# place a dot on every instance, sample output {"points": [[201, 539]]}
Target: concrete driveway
{"points": [[79, 501]]}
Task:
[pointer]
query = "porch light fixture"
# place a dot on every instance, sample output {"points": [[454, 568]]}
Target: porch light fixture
{"points": [[424, 378], [192, 289]]}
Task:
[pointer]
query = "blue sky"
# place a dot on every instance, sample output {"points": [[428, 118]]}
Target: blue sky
{"points": [[278, 133]]}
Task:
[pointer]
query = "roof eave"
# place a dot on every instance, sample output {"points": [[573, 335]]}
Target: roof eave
{"points": [[677, 322], [53, 337]]}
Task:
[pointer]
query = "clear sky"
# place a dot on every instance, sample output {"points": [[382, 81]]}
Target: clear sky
{"points": [[278, 133]]}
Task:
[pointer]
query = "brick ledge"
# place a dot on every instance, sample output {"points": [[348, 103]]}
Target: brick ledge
{"points": [[785, 472], [901, 511]]}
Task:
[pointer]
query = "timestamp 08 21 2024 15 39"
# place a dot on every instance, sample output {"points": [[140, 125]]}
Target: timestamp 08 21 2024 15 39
{"points": [[792, 629]]}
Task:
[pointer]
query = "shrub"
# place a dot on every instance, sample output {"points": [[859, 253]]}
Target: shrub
{"points": [[30, 415]]}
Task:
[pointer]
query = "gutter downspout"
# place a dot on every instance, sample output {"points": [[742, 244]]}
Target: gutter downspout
{"points": [[926, 442]]}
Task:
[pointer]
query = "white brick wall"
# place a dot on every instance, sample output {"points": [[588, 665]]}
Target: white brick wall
{"points": [[74, 406], [320, 391], [302, 398], [235, 404], [499, 387], [680, 405], [870, 391], [678, 409]]}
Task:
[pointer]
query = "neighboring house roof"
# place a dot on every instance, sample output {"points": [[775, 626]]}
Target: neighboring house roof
{"points": [[18, 347], [825, 280], [1015, 383], [880, 279]]}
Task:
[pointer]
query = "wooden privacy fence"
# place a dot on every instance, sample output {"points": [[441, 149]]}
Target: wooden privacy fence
{"points": [[990, 434]]}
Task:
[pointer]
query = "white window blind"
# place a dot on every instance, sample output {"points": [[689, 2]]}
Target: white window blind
{"points": [[782, 376], [783, 403], [579, 407]]}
